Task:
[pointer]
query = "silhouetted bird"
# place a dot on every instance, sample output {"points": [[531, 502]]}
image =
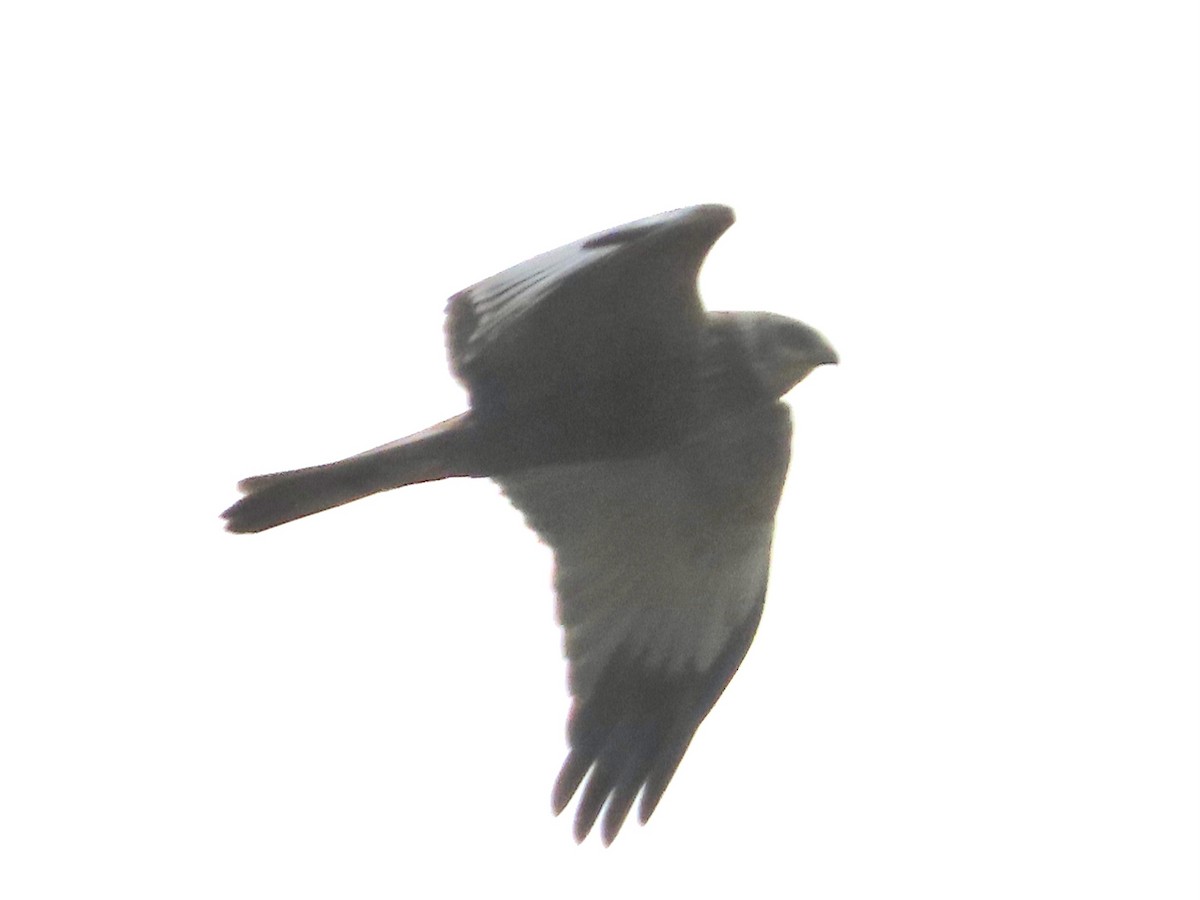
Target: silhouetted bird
{"points": [[645, 441]]}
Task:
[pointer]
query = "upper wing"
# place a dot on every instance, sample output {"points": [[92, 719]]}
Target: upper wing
{"points": [[661, 569], [599, 336]]}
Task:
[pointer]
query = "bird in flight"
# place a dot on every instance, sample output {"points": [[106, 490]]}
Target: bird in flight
{"points": [[645, 441]]}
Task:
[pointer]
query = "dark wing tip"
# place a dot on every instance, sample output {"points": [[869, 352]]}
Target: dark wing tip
{"points": [[619, 805], [632, 732], [569, 779], [708, 221], [594, 796]]}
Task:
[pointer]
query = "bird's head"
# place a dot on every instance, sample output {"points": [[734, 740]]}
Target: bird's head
{"points": [[781, 351]]}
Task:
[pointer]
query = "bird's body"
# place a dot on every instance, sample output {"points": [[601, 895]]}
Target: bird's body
{"points": [[645, 441]]}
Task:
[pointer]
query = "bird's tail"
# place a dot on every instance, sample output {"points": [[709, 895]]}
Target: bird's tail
{"points": [[270, 500]]}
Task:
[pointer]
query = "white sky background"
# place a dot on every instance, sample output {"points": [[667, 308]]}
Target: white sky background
{"points": [[229, 231]]}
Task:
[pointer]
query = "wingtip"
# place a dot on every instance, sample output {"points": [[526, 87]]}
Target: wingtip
{"points": [[581, 830], [651, 795], [718, 213], [715, 218], [711, 219], [570, 776]]}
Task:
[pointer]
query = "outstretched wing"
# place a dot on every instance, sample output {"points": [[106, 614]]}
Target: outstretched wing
{"points": [[661, 569], [598, 337]]}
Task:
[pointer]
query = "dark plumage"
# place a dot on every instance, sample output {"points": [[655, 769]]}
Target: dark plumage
{"points": [[645, 442]]}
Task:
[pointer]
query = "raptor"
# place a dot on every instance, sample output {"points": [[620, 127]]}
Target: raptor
{"points": [[645, 441]]}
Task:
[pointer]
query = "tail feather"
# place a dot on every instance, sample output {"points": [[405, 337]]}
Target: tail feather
{"points": [[270, 500]]}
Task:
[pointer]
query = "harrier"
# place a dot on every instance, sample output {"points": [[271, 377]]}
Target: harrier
{"points": [[645, 441]]}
